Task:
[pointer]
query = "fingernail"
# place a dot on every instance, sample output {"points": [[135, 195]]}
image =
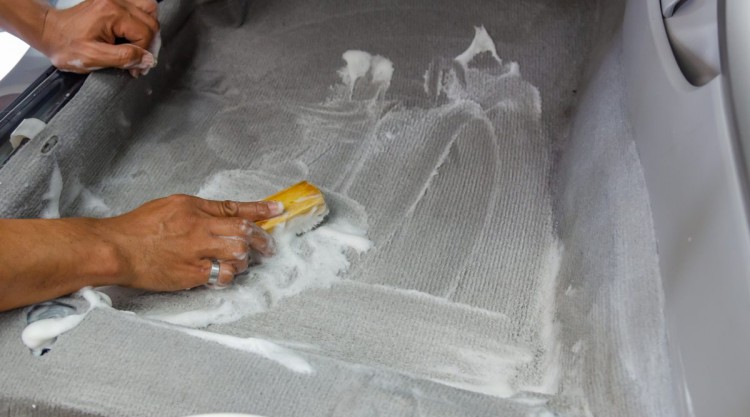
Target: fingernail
{"points": [[147, 61], [276, 207]]}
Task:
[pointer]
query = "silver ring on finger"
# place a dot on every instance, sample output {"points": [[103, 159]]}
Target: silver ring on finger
{"points": [[213, 275]]}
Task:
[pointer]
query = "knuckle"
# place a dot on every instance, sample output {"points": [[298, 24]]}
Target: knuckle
{"points": [[145, 31], [149, 6], [228, 269], [244, 226], [229, 208], [189, 221], [239, 227], [126, 55], [108, 5], [239, 247], [180, 199], [242, 264]]}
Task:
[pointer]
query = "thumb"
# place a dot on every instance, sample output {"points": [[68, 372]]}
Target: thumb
{"points": [[125, 56]]}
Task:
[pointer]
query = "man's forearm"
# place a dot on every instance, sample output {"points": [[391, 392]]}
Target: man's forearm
{"points": [[44, 259], [25, 19]]}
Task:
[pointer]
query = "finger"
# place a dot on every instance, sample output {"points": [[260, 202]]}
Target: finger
{"points": [[126, 56], [260, 241], [229, 226], [78, 66], [144, 17], [227, 271], [150, 7], [134, 30], [240, 266], [254, 211], [225, 248]]}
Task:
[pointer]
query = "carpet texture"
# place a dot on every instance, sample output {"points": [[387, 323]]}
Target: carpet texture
{"points": [[513, 269]]}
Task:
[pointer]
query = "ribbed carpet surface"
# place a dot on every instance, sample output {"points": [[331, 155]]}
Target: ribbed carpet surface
{"points": [[483, 289]]}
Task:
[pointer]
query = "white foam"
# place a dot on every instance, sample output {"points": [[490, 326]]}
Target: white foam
{"points": [[548, 334], [77, 63], [382, 69], [264, 348], [40, 335], [357, 66], [92, 203], [482, 42], [52, 209], [492, 371]]}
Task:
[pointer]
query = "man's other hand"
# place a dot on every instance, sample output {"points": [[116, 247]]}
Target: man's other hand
{"points": [[82, 38]]}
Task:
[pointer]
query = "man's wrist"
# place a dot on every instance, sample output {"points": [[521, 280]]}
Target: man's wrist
{"points": [[104, 262], [27, 20]]}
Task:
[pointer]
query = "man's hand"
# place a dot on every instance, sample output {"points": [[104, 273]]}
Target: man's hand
{"points": [[82, 38], [168, 244], [164, 245]]}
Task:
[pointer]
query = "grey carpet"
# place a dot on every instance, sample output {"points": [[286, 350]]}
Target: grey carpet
{"points": [[470, 293]]}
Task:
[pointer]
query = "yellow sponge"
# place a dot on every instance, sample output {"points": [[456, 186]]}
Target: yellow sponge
{"points": [[304, 208]]}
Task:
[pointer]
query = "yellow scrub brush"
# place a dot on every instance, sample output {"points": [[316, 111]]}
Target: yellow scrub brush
{"points": [[304, 208]]}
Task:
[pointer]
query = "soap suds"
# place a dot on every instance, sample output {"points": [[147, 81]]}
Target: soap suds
{"points": [[77, 63], [359, 64], [93, 204], [495, 371], [59, 198], [482, 42], [382, 70], [315, 259], [40, 335], [269, 350], [52, 196], [548, 331]]}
